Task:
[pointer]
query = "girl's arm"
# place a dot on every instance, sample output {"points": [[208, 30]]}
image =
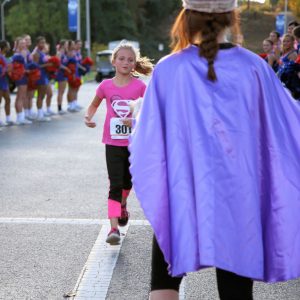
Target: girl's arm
{"points": [[35, 57], [65, 68], [293, 56], [81, 67], [271, 60], [91, 111], [45, 65]]}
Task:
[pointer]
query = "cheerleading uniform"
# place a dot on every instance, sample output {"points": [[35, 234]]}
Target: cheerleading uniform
{"points": [[60, 75], [3, 76], [285, 58], [275, 64], [44, 80], [16, 58]]}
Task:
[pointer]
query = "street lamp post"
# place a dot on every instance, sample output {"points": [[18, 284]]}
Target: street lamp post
{"points": [[88, 28], [285, 15], [2, 19], [78, 35]]}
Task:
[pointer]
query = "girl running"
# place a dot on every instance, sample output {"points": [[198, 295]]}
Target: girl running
{"points": [[119, 92], [4, 88]]}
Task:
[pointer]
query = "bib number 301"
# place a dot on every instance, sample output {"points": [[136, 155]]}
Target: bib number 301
{"points": [[118, 130]]}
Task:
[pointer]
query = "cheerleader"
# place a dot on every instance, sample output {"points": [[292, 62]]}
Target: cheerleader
{"points": [[275, 38], [61, 77], [270, 56], [49, 92], [73, 78], [4, 87], [40, 58], [296, 34], [28, 107], [20, 57], [78, 57]]}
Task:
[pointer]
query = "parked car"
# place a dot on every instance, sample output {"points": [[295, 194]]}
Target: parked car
{"points": [[104, 66]]}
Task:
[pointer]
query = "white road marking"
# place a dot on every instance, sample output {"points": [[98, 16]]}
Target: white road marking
{"points": [[182, 289], [66, 221], [95, 278]]}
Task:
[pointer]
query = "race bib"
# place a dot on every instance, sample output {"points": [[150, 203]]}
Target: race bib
{"points": [[119, 131]]}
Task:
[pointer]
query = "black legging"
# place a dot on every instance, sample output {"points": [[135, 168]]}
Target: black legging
{"points": [[117, 161], [230, 285]]}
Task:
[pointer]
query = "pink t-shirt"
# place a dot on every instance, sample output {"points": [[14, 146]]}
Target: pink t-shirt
{"points": [[116, 108]]}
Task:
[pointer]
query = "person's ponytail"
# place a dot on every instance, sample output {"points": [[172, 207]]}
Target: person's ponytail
{"points": [[192, 26]]}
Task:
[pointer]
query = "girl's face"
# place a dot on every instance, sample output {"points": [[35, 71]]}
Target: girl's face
{"points": [[273, 37], [78, 46], [290, 29], [71, 46], [21, 44], [267, 47], [124, 61], [28, 40], [287, 43], [41, 45], [65, 46]]}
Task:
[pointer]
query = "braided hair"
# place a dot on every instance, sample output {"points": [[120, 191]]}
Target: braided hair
{"points": [[190, 25]]}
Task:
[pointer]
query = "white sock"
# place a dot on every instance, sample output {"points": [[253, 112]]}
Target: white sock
{"points": [[48, 108], [40, 113], [31, 112], [19, 117], [8, 119], [27, 112], [22, 115]]}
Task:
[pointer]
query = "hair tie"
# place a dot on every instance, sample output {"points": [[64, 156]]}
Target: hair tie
{"points": [[210, 63]]}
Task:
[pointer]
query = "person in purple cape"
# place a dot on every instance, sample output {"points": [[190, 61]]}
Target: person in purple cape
{"points": [[215, 160]]}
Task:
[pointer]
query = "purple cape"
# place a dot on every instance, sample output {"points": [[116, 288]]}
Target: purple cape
{"points": [[216, 166]]}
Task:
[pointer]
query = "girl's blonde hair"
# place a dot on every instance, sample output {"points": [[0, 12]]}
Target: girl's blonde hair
{"points": [[17, 43], [292, 39], [143, 64], [190, 23]]}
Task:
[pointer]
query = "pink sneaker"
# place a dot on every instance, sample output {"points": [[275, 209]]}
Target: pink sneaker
{"points": [[113, 237], [123, 220]]}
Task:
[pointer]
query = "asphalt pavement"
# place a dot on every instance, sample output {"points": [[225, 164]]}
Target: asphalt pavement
{"points": [[53, 193]]}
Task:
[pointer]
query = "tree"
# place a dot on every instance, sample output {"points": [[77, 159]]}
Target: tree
{"points": [[295, 7], [37, 17]]}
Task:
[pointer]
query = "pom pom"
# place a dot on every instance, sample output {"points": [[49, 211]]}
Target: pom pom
{"points": [[74, 82], [17, 71], [55, 64], [263, 55], [87, 61]]}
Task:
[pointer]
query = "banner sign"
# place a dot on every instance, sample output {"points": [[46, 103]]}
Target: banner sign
{"points": [[72, 12], [280, 19]]}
